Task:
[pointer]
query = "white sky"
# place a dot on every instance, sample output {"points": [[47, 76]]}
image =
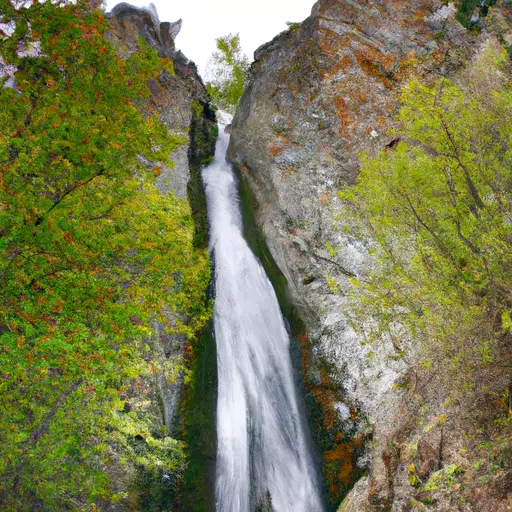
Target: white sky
{"points": [[257, 21]]}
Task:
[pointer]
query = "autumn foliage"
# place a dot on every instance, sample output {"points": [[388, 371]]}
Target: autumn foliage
{"points": [[90, 254]]}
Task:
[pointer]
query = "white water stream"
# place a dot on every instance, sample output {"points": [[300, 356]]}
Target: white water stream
{"points": [[261, 432]]}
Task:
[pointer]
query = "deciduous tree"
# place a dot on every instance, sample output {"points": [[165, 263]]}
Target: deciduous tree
{"points": [[90, 254], [229, 68]]}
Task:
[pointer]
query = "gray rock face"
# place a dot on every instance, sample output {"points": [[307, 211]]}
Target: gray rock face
{"points": [[173, 28], [319, 94], [158, 35], [172, 96], [177, 98]]}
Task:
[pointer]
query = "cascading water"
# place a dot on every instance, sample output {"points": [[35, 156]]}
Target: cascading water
{"points": [[262, 448]]}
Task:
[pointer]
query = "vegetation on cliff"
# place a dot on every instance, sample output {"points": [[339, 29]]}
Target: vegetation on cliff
{"points": [[438, 209], [470, 10], [91, 253]]}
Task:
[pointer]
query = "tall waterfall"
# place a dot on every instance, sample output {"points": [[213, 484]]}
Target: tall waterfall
{"points": [[262, 438]]}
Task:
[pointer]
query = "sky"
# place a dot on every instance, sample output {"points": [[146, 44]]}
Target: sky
{"points": [[257, 21]]}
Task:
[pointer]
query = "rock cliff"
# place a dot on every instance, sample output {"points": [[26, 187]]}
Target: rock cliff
{"points": [[182, 103], [318, 95], [180, 100]]}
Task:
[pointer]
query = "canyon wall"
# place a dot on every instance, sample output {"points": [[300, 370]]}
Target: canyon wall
{"points": [[180, 100], [319, 94]]}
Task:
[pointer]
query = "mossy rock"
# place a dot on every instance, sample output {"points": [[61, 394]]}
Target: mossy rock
{"points": [[203, 137], [468, 7]]}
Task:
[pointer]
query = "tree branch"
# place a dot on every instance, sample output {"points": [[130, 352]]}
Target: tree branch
{"points": [[471, 186], [80, 184], [342, 269]]}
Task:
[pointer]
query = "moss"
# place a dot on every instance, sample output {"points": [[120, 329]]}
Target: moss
{"points": [[265, 505], [203, 136], [293, 27], [155, 491], [468, 7], [258, 244], [509, 51], [413, 476], [443, 478], [337, 440], [198, 428]]}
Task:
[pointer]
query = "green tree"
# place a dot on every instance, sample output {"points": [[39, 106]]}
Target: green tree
{"points": [[467, 8], [438, 210], [90, 254], [229, 68]]}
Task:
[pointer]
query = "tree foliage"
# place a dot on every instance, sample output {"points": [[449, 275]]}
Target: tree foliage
{"points": [[90, 254], [439, 211], [467, 8], [229, 68]]}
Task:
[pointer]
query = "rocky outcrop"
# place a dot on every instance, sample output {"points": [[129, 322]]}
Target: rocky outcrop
{"points": [[182, 103], [173, 95], [180, 100], [319, 94]]}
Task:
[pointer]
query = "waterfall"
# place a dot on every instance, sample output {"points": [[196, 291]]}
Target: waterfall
{"points": [[262, 453]]}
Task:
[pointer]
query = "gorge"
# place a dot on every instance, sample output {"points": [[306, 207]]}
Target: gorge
{"points": [[346, 344]]}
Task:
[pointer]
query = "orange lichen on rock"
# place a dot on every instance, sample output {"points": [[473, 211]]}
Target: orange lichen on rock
{"points": [[344, 113], [279, 146], [332, 43], [374, 66], [275, 150], [359, 97], [338, 466], [326, 5], [343, 64], [324, 198], [343, 454], [160, 95], [420, 15], [324, 397]]}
